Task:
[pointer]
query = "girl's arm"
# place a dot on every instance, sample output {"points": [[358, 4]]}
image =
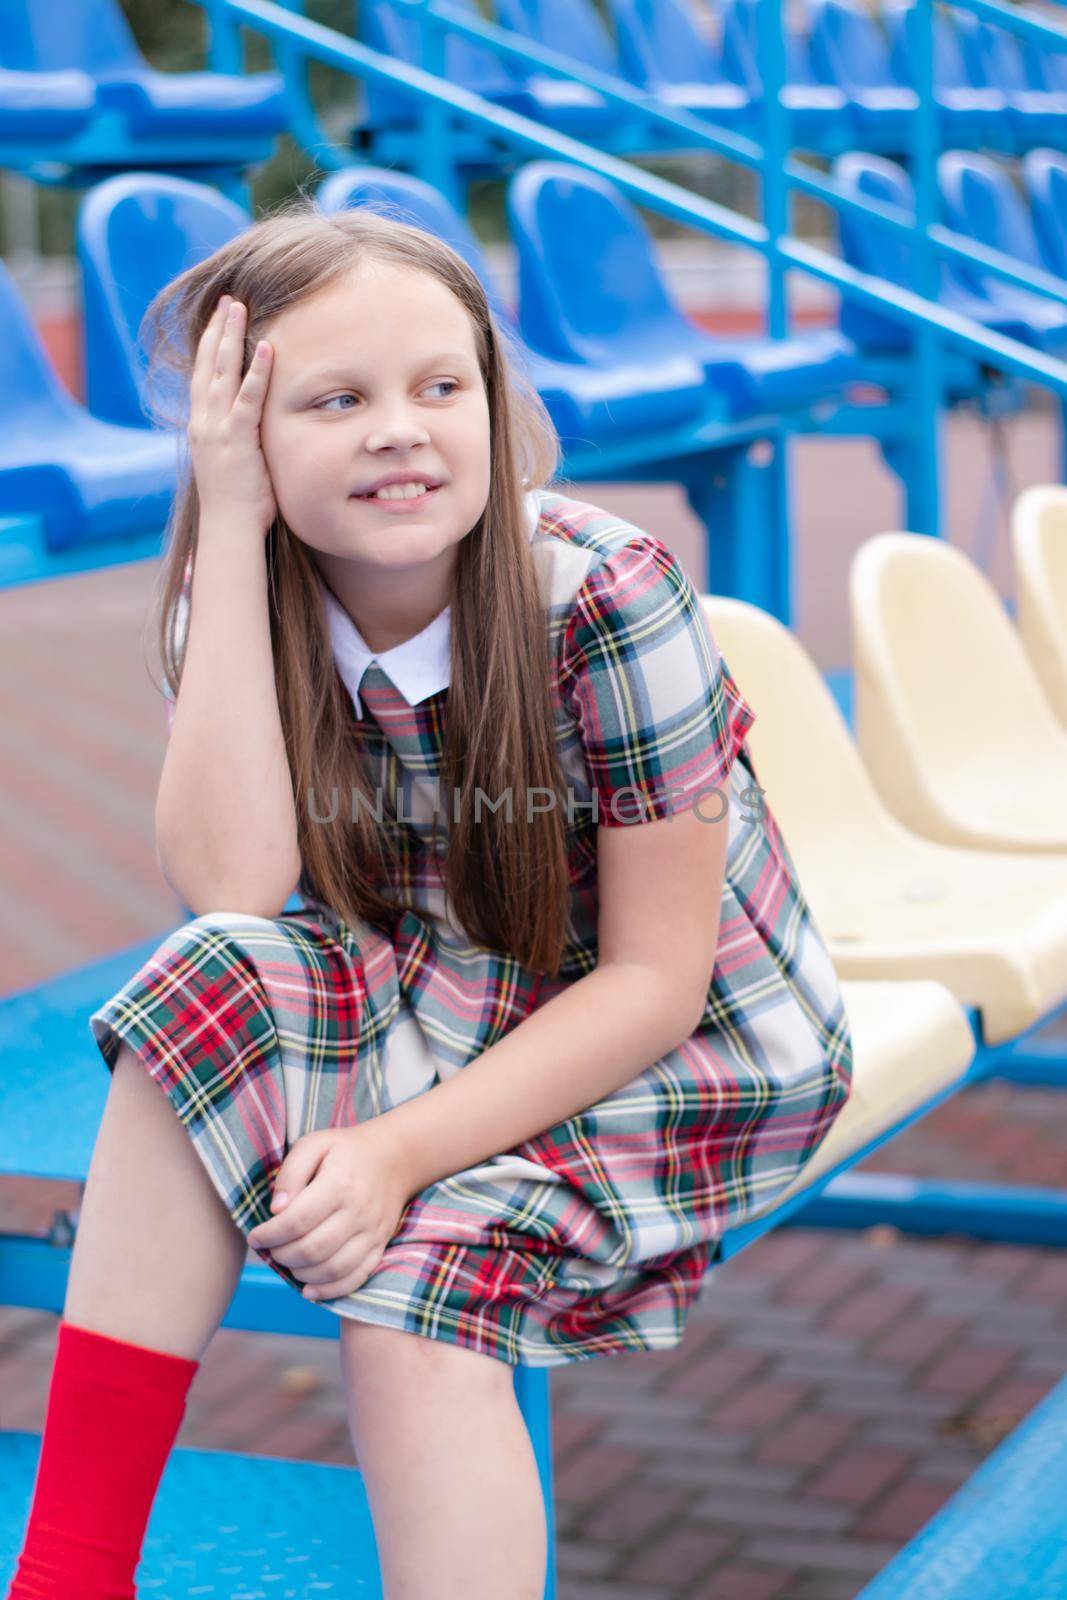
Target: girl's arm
{"points": [[226, 825], [226, 828], [660, 894]]}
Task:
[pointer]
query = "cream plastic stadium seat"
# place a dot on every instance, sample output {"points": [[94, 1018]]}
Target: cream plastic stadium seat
{"points": [[1039, 543], [991, 927], [951, 718], [911, 1041]]}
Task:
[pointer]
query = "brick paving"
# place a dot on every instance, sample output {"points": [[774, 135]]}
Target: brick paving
{"points": [[832, 1390]]}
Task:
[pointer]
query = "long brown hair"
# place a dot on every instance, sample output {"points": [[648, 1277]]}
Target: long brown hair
{"points": [[508, 881]]}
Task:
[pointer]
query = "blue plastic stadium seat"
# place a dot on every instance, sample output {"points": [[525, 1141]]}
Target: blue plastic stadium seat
{"points": [[887, 256], [1035, 114], [849, 50], [980, 201], [570, 108], [1044, 68], [816, 110], [590, 289], [134, 233], [1045, 176], [570, 26], [661, 49], [94, 37], [89, 480], [588, 402], [44, 105], [968, 114]]}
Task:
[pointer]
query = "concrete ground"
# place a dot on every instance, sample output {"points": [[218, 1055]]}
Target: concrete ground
{"points": [[832, 1390]]}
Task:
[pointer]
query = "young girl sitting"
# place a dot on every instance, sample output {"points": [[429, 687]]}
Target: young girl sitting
{"points": [[554, 1013]]}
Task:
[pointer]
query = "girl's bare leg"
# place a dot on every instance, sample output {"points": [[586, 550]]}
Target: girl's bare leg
{"points": [[449, 1468], [156, 1255]]}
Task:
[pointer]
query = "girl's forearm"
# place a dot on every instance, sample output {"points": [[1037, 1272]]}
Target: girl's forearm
{"points": [[583, 1044], [226, 829]]}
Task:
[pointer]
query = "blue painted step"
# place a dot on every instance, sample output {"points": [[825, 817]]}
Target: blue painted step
{"points": [[230, 1527]]}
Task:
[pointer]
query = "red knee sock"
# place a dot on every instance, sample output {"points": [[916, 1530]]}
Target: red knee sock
{"points": [[114, 1411]]}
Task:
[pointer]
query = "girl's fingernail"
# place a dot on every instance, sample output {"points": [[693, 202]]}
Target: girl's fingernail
{"points": [[280, 1199], [231, 314], [262, 348]]}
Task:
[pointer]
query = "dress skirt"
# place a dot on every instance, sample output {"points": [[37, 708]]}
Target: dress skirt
{"points": [[591, 1239]]}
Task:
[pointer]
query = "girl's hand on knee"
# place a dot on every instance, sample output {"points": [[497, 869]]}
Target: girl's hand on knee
{"points": [[338, 1199], [225, 411]]}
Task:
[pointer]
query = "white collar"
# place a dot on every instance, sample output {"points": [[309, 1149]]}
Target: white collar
{"points": [[421, 665]]}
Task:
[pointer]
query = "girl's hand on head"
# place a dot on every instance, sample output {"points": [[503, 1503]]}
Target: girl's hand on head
{"points": [[224, 419], [347, 1190]]}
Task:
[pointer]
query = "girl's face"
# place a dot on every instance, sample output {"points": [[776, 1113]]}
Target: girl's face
{"points": [[377, 374]]}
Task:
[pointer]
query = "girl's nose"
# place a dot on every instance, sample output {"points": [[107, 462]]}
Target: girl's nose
{"points": [[399, 430]]}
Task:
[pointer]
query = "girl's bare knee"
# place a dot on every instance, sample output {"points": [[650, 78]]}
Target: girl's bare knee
{"points": [[387, 1356]]}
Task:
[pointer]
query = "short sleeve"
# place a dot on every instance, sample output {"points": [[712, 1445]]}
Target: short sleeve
{"points": [[660, 718]]}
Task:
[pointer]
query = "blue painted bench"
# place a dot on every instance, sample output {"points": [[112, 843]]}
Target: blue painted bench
{"points": [[1004, 1534]]}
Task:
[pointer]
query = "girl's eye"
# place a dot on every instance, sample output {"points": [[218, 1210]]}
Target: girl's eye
{"points": [[442, 383]]}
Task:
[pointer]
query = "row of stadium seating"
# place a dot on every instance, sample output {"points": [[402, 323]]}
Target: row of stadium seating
{"points": [[73, 76], [86, 471], [980, 201], [612, 354], [849, 76]]}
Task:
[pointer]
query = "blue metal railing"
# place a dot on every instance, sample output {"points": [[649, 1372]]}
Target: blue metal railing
{"points": [[935, 329]]}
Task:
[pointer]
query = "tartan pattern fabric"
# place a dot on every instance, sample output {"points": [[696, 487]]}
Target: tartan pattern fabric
{"points": [[593, 1237]]}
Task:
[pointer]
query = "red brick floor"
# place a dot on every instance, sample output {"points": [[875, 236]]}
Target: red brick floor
{"points": [[831, 1391]]}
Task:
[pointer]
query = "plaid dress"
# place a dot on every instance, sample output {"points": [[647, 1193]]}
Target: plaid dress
{"points": [[593, 1237]]}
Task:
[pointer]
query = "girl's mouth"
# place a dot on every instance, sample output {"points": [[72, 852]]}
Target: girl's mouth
{"points": [[397, 503]]}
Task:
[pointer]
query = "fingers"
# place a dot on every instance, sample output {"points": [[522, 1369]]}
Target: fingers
{"points": [[229, 350], [206, 352], [314, 1247], [253, 390], [344, 1274], [219, 359]]}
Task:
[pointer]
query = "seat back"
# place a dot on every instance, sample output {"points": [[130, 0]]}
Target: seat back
{"points": [[815, 782], [34, 395], [572, 27], [90, 34], [945, 696], [1044, 69], [660, 40], [799, 67], [589, 284], [950, 65], [740, 49], [994, 59], [1039, 546], [466, 64], [848, 48], [134, 234], [1045, 176], [980, 201], [414, 201], [872, 249], [739, 46]]}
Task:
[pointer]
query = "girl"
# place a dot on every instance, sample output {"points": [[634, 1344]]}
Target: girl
{"points": [[554, 1013]]}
